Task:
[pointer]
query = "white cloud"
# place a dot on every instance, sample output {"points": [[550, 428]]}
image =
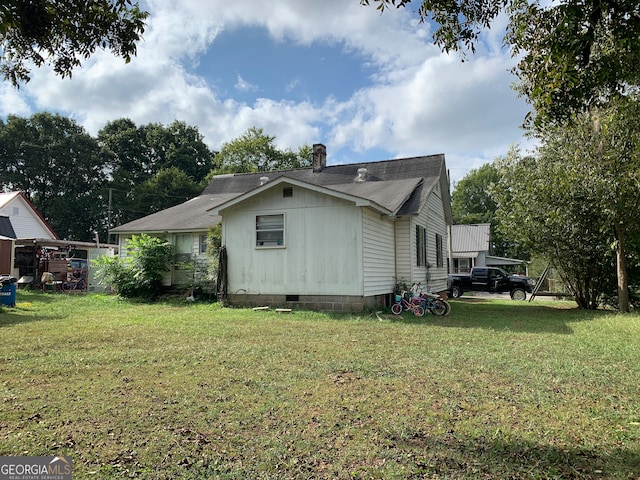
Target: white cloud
{"points": [[243, 86], [12, 102], [419, 101]]}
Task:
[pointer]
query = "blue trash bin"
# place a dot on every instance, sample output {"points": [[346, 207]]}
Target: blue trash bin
{"points": [[8, 291]]}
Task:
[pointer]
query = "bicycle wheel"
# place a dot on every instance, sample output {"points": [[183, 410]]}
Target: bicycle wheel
{"points": [[428, 305], [396, 308], [441, 308], [418, 311], [66, 286], [448, 305]]}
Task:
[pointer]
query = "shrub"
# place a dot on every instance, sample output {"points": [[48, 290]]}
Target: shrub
{"points": [[139, 274]]}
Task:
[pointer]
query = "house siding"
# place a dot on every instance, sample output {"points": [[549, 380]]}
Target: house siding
{"points": [[24, 220], [187, 271], [432, 218], [378, 254], [302, 266], [185, 243], [404, 253]]}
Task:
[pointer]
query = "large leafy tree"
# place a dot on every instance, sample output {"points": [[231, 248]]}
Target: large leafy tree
{"points": [[165, 189], [153, 166], [577, 200], [544, 204], [57, 164], [606, 144], [63, 33], [573, 54], [472, 201], [255, 151]]}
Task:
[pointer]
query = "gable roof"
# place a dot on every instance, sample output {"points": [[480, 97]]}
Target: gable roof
{"points": [[470, 238], [386, 197], [398, 187], [22, 229]]}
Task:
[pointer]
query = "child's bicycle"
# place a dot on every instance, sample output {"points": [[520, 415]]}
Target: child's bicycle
{"points": [[434, 304], [74, 283], [406, 301]]}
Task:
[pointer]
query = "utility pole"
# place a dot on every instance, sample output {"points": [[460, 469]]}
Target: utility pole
{"points": [[109, 216]]}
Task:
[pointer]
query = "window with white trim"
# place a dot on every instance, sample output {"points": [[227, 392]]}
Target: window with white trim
{"points": [[270, 230]]}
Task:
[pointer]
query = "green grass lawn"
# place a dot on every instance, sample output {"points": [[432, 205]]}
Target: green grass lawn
{"points": [[496, 390]]}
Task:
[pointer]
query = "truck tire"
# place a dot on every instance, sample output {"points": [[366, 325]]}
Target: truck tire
{"points": [[456, 291], [518, 294]]}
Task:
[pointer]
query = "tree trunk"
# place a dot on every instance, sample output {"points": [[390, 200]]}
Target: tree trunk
{"points": [[621, 272]]}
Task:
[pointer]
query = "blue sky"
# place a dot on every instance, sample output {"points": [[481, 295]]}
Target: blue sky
{"points": [[369, 86], [263, 67]]}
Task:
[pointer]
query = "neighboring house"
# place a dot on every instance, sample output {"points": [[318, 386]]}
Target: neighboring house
{"points": [[37, 249], [471, 247], [26, 223], [7, 237], [331, 237], [26, 220]]}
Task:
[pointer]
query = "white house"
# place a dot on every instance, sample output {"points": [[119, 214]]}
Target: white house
{"points": [[335, 237], [7, 237], [20, 220], [25, 219], [471, 247], [35, 248]]}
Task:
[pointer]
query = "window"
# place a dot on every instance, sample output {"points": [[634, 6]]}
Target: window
{"points": [[287, 192], [270, 230], [421, 246], [203, 243], [439, 254]]}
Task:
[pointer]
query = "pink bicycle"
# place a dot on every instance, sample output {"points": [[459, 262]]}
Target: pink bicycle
{"points": [[406, 302]]}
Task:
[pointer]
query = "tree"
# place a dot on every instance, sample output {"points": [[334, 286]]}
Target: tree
{"points": [[56, 163], [574, 54], [177, 146], [578, 199], [254, 151], [63, 33], [543, 204], [140, 158], [165, 189], [473, 201], [605, 143]]}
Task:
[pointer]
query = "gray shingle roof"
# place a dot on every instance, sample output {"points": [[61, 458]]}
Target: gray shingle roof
{"points": [[401, 186], [190, 216]]}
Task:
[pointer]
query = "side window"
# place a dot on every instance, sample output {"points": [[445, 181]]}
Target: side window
{"points": [[439, 253], [421, 246], [203, 243], [270, 230]]}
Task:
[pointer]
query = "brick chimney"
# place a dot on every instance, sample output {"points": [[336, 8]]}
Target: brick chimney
{"points": [[319, 160]]}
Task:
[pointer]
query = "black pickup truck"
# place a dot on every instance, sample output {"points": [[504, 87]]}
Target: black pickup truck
{"points": [[490, 279]]}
